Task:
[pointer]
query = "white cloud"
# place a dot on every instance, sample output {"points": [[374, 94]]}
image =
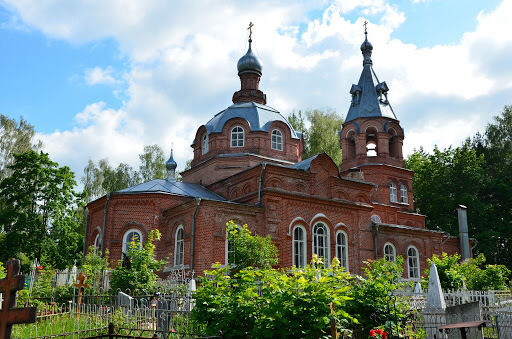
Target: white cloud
{"points": [[97, 75], [182, 67]]}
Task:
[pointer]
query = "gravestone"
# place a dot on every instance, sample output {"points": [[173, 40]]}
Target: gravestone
{"points": [[464, 313], [125, 301], [434, 313], [9, 314], [163, 314]]}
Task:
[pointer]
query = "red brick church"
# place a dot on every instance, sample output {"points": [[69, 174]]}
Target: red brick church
{"points": [[248, 167]]}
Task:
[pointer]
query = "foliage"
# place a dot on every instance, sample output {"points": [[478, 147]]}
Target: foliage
{"points": [[15, 138], [271, 303], [3, 272], [94, 266], [248, 250], [152, 163], [140, 277], [372, 302], [40, 211], [478, 174], [322, 133], [473, 273]]}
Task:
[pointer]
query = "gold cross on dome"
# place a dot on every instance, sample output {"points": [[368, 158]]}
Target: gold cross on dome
{"points": [[250, 29]]}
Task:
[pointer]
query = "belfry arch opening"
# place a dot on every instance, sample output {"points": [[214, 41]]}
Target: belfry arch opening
{"points": [[393, 152], [351, 142], [371, 142]]}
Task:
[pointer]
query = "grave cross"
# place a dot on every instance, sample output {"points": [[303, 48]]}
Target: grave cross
{"points": [[9, 314], [81, 284]]}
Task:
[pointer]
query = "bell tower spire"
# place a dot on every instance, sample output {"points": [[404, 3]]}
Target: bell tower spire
{"points": [[249, 70]]}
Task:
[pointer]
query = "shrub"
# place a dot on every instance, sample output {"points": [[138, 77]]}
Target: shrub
{"points": [[140, 278], [94, 267]]}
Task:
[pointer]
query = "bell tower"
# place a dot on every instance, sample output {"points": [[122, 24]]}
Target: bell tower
{"points": [[371, 138]]}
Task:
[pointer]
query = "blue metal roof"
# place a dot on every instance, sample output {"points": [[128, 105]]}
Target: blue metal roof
{"points": [[305, 164], [257, 115], [173, 187], [369, 96]]}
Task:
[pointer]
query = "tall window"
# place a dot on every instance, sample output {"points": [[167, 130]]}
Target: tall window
{"points": [[179, 247], [403, 194], [299, 247], [204, 145], [389, 252], [392, 192], [237, 137], [342, 248], [230, 249], [321, 241], [277, 140], [133, 236], [413, 262]]}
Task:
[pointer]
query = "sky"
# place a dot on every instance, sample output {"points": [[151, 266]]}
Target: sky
{"points": [[101, 79]]}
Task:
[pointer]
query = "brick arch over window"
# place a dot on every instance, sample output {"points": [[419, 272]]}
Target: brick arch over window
{"points": [[319, 217], [295, 221]]}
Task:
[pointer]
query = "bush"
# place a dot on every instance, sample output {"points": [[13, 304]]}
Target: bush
{"points": [[140, 277], [265, 303], [94, 267]]}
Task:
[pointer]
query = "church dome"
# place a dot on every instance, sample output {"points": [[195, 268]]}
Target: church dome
{"points": [[170, 164], [249, 62], [366, 46]]}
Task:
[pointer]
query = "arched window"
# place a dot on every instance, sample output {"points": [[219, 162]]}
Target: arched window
{"points": [[230, 249], [371, 149], [237, 137], [179, 247], [132, 236], [299, 247], [403, 194], [389, 252], [97, 243], [204, 144], [277, 140], [413, 262], [342, 248], [376, 218], [371, 142], [321, 241], [392, 192]]}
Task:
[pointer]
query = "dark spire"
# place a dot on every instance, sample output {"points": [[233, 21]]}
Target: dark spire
{"points": [[249, 70], [369, 96], [171, 165]]}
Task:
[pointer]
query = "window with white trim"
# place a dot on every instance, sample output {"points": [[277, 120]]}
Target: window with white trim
{"points": [[277, 140], [237, 137], [389, 252], [342, 248], [230, 249], [413, 262], [403, 194], [179, 247], [204, 144], [132, 237], [392, 192], [321, 241], [299, 246]]}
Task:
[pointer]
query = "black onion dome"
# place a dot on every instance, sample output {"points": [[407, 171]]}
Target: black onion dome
{"points": [[249, 62], [171, 164], [366, 46]]}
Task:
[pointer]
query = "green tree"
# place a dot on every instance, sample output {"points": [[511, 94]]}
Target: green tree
{"points": [[38, 211], [15, 137], [2, 271], [94, 266], [272, 303], [140, 277], [152, 163], [247, 250], [322, 133], [448, 269]]}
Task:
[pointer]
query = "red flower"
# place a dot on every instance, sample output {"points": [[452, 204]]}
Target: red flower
{"points": [[40, 267], [372, 333], [384, 335], [379, 331]]}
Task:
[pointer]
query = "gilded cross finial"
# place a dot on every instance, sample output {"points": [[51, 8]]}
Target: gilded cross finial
{"points": [[250, 30], [365, 28]]}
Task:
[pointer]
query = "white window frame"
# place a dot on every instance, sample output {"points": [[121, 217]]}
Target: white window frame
{"points": [[326, 243], [125, 244], [204, 144], [392, 192], [376, 218], [403, 194], [413, 263], [237, 137], [300, 245], [276, 140], [179, 246], [389, 256], [226, 249], [342, 248]]}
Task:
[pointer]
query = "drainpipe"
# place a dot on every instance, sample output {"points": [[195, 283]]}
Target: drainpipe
{"points": [[192, 245], [260, 184], [104, 224], [375, 241]]}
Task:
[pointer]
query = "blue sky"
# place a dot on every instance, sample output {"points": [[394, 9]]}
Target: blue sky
{"points": [[101, 79]]}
